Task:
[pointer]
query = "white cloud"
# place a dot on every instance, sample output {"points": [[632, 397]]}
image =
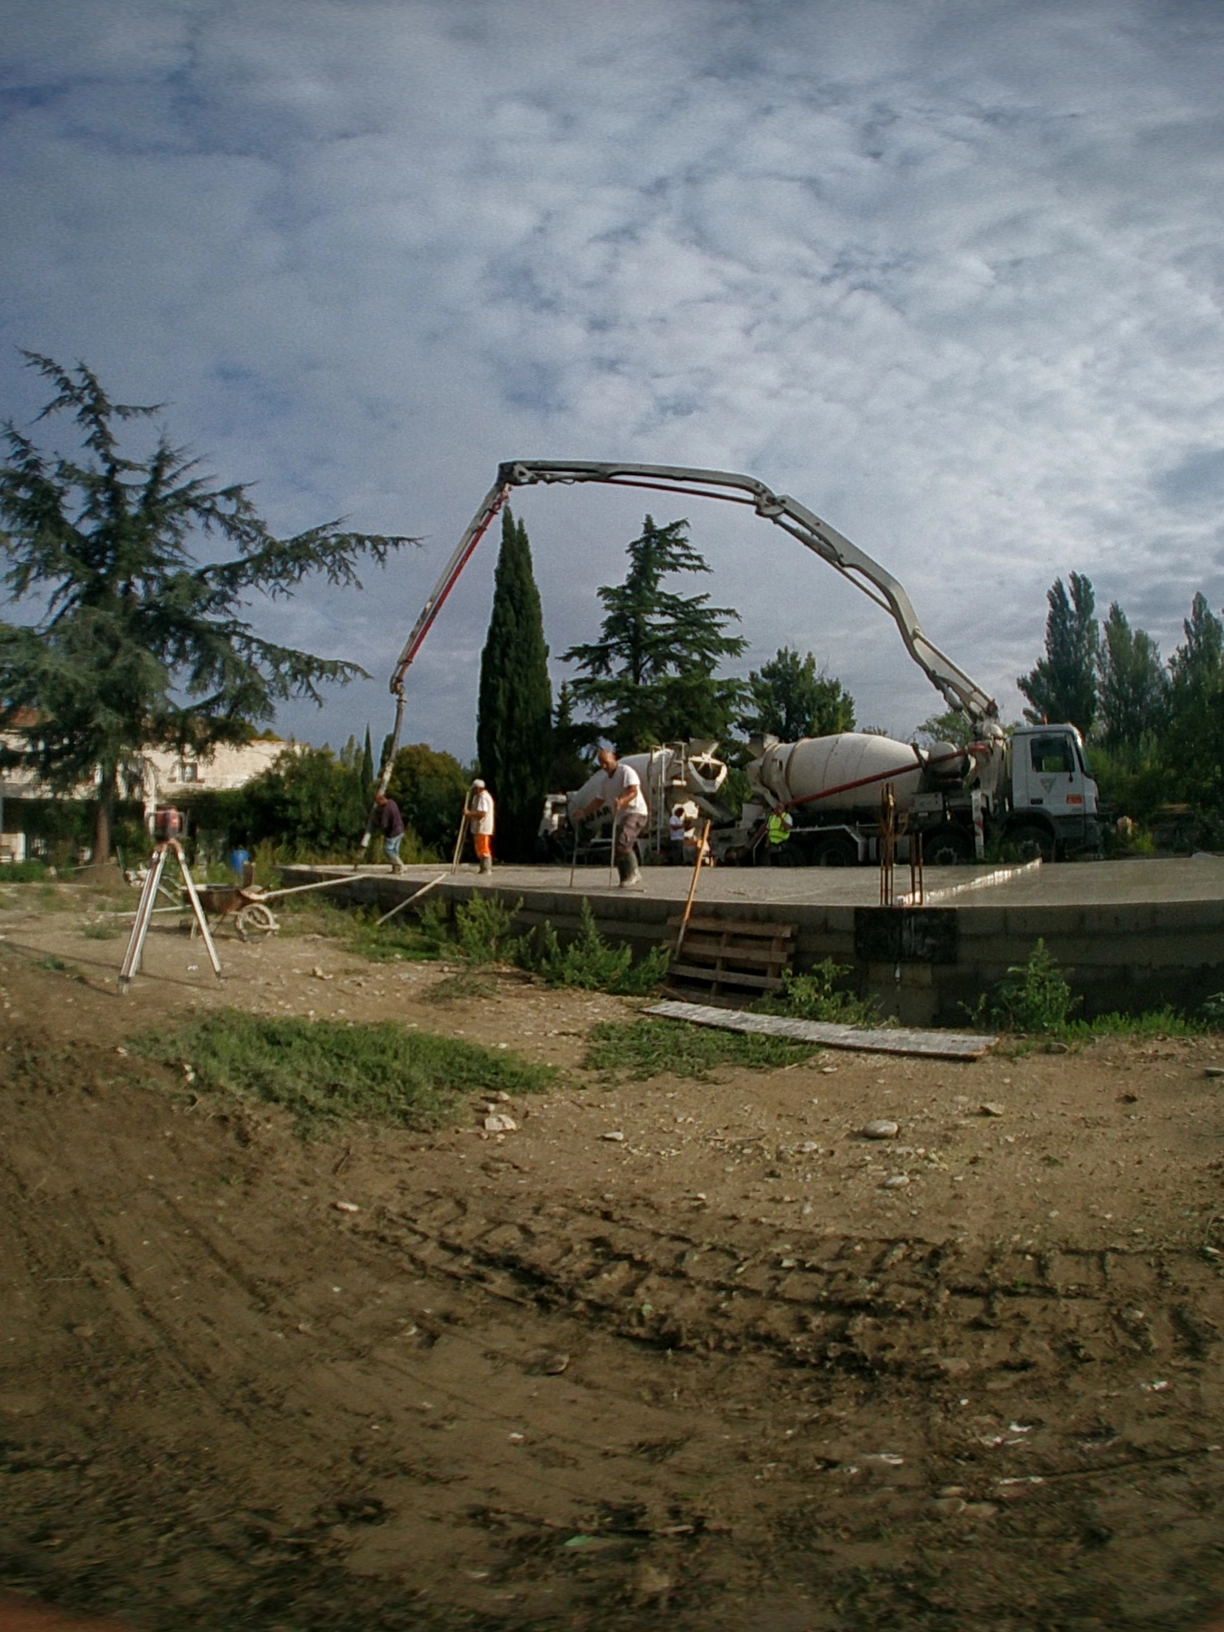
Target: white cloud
{"points": [[946, 271]]}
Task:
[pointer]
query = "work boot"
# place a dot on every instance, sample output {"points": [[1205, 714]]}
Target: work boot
{"points": [[486, 864], [630, 872], [397, 867]]}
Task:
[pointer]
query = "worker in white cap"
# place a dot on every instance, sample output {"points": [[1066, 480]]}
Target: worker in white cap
{"points": [[479, 811]]}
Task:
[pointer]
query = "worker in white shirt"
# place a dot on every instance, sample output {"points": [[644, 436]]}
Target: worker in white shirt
{"points": [[481, 818], [621, 790], [677, 832]]}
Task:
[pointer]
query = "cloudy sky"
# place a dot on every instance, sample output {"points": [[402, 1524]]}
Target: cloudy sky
{"points": [[947, 271]]}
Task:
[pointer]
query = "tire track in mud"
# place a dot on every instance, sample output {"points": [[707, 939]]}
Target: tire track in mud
{"points": [[869, 1306]]}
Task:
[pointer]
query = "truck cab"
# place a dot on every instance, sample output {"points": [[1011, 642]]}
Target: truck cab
{"points": [[1053, 794]]}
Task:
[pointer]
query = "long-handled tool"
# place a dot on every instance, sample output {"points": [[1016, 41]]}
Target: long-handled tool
{"points": [[410, 900], [574, 856], [144, 912], [702, 844], [459, 843]]}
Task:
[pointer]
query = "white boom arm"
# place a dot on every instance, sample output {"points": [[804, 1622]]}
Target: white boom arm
{"points": [[958, 690]]}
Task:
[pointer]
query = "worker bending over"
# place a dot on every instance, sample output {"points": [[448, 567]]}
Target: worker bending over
{"points": [[481, 819], [622, 792]]}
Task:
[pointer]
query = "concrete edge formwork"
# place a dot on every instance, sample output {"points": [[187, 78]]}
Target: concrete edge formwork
{"points": [[924, 965]]}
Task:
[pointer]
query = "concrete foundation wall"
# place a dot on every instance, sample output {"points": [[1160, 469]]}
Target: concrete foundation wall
{"points": [[1127, 957]]}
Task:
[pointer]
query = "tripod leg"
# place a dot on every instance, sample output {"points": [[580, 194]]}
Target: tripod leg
{"points": [[140, 928], [198, 910]]}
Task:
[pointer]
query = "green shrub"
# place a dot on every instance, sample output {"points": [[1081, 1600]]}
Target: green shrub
{"points": [[326, 1072], [589, 962], [24, 872], [814, 995], [478, 931], [1035, 996]]}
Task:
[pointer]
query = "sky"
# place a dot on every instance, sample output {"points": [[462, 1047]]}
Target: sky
{"points": [[948, 272]]}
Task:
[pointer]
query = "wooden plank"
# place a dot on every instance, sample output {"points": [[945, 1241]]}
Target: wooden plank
{"points": [[939, 1045], [694, 947], [736, 926], [726, 977]]}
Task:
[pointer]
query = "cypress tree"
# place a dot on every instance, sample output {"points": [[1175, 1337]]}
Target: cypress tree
{"points": [[514, 720]]}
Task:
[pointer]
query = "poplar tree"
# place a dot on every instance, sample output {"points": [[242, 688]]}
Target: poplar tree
{"points": [[514, 739], [1063, 686], [1134, 688], [1193, 744]]}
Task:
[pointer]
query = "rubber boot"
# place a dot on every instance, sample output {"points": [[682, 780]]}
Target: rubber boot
{"points": [[486, 864], [628, 869]]}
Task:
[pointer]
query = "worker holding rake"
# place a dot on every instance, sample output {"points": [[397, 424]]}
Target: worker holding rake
{"points": [[622, 792], [480, 815]]}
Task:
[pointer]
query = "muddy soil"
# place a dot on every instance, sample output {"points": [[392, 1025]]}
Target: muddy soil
{"points": [[721, 1372]]}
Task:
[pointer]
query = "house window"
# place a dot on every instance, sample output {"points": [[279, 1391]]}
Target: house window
{"points": [[189, 773]]}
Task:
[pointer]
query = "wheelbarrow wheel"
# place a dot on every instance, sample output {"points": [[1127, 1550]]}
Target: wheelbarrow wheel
{"points": [[257, 919]]}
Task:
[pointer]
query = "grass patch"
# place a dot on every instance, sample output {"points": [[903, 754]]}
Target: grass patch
{"points": [[326, 1072], [400, 941], [588, 961], [103, 929], [649, 1046]]}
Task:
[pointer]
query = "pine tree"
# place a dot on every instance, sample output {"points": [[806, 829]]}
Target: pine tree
{"points": [[651, 674], [367, 767], [1134, 688], [1063, 686], [1193, 743], [790, 698], [514, 740]]}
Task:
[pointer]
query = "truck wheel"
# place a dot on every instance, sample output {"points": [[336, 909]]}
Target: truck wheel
{"points": [[835, 853], [945, 849], [1031, 841]]}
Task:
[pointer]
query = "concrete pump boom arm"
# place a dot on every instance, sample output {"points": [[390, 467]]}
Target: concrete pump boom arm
{"points": [[958, 690]]}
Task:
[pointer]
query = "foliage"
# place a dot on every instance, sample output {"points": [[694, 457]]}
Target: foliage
{"points": [[573, 745], [1035, 996], [814, 995], [514, 738], [327, 1072], [430, 788], [1193, 743], [1134, 689], [24, 872], [589, 962], [789, 698], [138, 645], [954, 726], [1062, 687], [651, 674], [647, 1047], [1132, 786], [305, 799]]}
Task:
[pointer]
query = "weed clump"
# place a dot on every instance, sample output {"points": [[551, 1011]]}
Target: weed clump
{"points": [[1034, 997], [589, 962], [814, 995], [326, 1072]]}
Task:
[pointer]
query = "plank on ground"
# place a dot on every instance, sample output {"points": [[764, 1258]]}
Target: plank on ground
{"points": [[943, 1045]]}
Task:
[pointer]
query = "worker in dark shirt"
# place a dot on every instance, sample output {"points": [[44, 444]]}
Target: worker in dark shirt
{"points": [[390, 824]]}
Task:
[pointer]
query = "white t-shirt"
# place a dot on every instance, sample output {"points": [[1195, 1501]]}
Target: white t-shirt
{"points": [[481, 804], [676, 827], [624, 779]]}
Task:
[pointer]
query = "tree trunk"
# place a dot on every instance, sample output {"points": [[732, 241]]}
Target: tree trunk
{"points": [[104, 816]]}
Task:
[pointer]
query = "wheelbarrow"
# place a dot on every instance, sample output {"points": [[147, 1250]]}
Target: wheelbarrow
{"points": [[245, 904]]}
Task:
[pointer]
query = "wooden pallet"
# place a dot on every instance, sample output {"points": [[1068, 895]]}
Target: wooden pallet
{"points": [[719, 953]]}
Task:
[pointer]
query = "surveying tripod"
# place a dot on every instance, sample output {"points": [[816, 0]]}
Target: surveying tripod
{"points": [[144, 912]]}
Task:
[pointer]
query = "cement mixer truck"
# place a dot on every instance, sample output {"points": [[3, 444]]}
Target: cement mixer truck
{"points": [[1036, 788]]}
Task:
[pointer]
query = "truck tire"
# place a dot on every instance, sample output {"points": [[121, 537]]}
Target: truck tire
{"points": [[839, 852], [1031, 841], [945, 849]]}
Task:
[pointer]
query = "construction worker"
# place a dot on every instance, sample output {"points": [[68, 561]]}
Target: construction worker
{"points": [[390, 823], [677, 832], [780, 824], [481, 818], [622, 791]]}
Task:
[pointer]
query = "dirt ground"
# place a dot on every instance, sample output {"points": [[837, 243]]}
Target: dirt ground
{"points": [[721, 1372]]}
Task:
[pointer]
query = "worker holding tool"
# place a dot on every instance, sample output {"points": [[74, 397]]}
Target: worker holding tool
{"points": [[622, 793], [480, 814], [780, 824], [387, 819]]}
